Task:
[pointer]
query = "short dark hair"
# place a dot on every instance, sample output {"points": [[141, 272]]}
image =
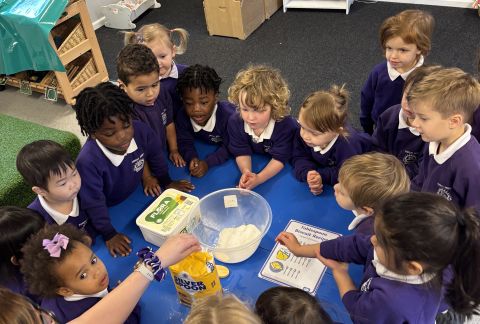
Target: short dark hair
{"points": [[38, 267], [39, 160], [96, 104], [17, 224], [288, 305], [200, 77], [427, 228], [135, 60]]}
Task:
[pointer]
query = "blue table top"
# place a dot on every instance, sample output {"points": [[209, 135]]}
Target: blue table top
{"points": [[288, 199]]}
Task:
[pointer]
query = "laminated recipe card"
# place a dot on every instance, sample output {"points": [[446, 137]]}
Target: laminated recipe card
{"points": [[284, 268]]}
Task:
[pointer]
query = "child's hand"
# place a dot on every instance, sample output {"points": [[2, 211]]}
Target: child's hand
{"points": [[314, 181], [177, 159], [248, 180], [289, 240], [198, 168], [332, 264], [182, 185], [151, 187], [119, 244], [176, 248]]}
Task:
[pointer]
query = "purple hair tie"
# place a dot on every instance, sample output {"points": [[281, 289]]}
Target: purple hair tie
{"points": [[54, 246]]}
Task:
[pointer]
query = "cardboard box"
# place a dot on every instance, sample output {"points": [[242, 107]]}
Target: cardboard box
{"points": [[271, 6], [233, 18]]}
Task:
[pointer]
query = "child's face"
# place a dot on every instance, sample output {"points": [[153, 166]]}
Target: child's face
{"points": [[401, 56], [164, 54], [257, 118], [199, 104], [342, 197], [430, 123], [143, 89], [407, 111], [82, 272], [64, 187], [312, 137], [115, 134]]}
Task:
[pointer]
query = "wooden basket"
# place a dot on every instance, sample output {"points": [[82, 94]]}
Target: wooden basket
{"points": [[87, 71], [73, 39]]}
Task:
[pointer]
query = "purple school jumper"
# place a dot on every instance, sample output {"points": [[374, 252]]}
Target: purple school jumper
{"points": [[304, 158], [66, 311], [388, 138], [366, 226], [378, 93], [105, 185], [456, 179], [81, 221], [157, 116], [279, 146], [170, 84], [218, 136], [381, 300]]}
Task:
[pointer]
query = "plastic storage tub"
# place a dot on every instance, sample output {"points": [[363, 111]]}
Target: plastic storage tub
{"points": [[169, 214], [229, 208]]}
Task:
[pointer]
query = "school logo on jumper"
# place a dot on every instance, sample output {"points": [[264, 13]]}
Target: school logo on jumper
{"points": [[409, 157], [138, 163], [366, 285], [83, 224], [215, 138], [266, 148], [444, 191], [164, 117], [331, 162]]}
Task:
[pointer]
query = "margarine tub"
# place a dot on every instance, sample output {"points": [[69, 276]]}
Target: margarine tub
{"points": [[169, 214]]}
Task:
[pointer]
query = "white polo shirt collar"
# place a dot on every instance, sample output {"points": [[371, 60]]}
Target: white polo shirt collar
{"points": [[77, 297], [58, 217], [327, 148], [117, 159], [209, 126], [357, 220], [458, 144], [266, 134], [394, 74]]}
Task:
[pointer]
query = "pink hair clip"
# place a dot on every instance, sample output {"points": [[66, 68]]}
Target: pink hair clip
{"points": [[54, 246]]}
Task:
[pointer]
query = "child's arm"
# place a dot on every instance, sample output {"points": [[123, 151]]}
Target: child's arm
{"points": [[340, 274], [291, 242], [175, 156], [301, 158], [380, 137], [366, 103], [185, 137], [151, 187], [250, 180], [117, 305]]}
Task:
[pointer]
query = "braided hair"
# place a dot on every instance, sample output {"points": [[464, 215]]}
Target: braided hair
{"points": [[95, 104], [199, 77]]}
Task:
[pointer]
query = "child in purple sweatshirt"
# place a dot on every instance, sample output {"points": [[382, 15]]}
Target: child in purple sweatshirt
{"points": [[406, 39], [203, 117], [422, 260]]}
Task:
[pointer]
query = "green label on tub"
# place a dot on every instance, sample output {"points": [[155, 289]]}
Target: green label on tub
{"points": [[164, 208]]}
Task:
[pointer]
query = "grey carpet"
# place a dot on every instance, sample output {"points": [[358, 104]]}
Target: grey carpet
{"points": [[312, 48]]}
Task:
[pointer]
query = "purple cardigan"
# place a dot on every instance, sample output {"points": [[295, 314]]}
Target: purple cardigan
{"points": [[218, 136], [381, 300], [305, 158], [378, 94], [105, 185], [170, 85], [279, 146]]}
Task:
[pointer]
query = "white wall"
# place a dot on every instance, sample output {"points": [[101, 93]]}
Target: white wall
{"points": [[95, 13]]}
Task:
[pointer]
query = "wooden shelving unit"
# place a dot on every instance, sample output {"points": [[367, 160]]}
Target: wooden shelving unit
{"points": [[75, 42]]}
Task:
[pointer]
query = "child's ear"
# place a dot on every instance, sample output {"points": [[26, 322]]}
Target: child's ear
{"points": [[174, 51], [14, 261], [367, 210], [414, 268], [39, 191], [121, 85], [65, 292], [455, 121]]}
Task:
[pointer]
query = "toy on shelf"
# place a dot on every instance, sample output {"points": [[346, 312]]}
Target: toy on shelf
{"points": [[121, 15]]}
